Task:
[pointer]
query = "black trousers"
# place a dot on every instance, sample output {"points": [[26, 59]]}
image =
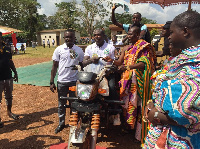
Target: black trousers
{"points": [[114, 95], [63, 90]]}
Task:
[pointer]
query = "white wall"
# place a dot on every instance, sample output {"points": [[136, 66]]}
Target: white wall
{"points": [[53, 36], [47, 36]]}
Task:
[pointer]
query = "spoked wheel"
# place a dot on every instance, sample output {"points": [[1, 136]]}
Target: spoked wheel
{"points": [[85, 145]]}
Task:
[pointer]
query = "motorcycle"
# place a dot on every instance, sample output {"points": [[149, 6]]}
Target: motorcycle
{"points": [[90, 105]]}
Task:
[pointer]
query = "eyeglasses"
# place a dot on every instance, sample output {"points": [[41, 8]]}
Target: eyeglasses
{"points": [[72, 54]]}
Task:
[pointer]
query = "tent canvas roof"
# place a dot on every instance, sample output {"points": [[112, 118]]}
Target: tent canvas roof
{"points": [[5, 29]]}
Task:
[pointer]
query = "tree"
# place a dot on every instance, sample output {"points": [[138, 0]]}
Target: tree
{"points": [[65, 17], [9, 13], [126, 18], [41, 22], [90, 11], [21, 15], [29, 18], [153, 32], [148, 21]]}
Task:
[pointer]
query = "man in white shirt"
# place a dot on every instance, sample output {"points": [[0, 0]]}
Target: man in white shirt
{"points": [[64, 56], [43, 43], [48, 43], [101, 49], [53, 42], [115, 42]]}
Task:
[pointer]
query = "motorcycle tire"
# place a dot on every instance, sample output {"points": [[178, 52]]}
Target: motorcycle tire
{"points": [[85, 145]]}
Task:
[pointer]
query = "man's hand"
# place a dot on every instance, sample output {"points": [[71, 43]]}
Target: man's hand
{"points": [[108, 59], [95, 60], [114, 7], [162, 118], [149, 106], [15, 78], [52, 87], [122, 68]]}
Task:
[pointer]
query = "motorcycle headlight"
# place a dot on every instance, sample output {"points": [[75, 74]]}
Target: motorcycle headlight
{"points": [[84, 91]]}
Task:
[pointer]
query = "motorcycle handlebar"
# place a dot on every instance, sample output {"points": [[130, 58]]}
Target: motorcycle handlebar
{"points": [[115, 101], [69, 98]]}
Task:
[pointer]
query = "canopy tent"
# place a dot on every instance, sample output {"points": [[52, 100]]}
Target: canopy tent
{"points": [[7, 31], [164, 3]]}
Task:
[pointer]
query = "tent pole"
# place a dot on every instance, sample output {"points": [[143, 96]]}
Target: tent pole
{"points": [[189, 5]]}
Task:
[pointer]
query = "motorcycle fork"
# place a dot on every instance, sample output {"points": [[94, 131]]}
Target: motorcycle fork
{"points": [[94, 127], [73, 121]]}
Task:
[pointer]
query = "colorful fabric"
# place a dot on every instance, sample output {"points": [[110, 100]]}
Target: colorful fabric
{"points": [[157, 75], [177, 92], [7, 34], [135, 84]]}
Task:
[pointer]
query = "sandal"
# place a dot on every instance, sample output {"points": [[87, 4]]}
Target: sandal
{"points": [[14, 116]]}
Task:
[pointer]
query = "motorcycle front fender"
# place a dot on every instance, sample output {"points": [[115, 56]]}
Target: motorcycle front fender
{"points": [[78, 135]]}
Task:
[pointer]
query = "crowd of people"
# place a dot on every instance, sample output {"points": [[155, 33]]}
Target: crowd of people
{"points": [[162, 104]]}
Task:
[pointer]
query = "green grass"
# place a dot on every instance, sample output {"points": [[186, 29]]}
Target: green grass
{"points": [[37, 52]]}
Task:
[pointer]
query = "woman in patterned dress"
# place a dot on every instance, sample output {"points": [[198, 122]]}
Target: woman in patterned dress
{"points": [[174, 111]]}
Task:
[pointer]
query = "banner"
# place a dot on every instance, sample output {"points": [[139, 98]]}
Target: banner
{"points": [[14, 39], [19, 45]]}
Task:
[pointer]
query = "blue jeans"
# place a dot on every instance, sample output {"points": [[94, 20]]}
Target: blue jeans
{"points": [[63, 90]]}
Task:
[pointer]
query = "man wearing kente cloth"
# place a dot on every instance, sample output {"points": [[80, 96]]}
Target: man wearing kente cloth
{"points": [[138, 61]]}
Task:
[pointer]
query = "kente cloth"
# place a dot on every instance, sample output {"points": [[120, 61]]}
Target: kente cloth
{"points": [[177, 93], [135, 84]]}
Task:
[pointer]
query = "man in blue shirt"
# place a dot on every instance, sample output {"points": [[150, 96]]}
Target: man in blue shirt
{"points": [[144, 34]]}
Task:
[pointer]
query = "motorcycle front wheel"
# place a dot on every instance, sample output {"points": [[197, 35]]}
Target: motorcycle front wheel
{"points": [[85, 145]]}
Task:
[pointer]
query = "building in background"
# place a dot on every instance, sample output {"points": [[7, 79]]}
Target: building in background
{"points": [[56, 34]]}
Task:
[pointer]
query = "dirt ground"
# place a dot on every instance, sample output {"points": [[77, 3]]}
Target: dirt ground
{"points": [[37, 107]]}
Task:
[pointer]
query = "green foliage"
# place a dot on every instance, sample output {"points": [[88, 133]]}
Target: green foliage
{"points": [[89, 12], [22, 15], [148, 21], [65, 17], [84, 17], [126, 18], [153, 32]]}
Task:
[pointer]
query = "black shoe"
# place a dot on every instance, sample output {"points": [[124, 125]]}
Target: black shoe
{"points": [[59, 128]]}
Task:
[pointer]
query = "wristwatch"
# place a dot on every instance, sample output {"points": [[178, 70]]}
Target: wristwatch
{"points": [[51, 83], [156, 117]]}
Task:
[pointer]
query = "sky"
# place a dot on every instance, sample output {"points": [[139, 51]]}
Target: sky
{"points": [[150, 11]]}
